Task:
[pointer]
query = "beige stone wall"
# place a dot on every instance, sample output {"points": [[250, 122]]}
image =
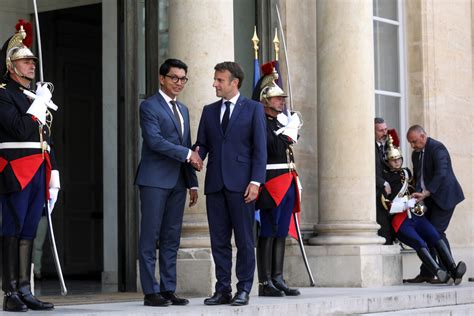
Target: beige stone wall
{"points": [[300, 30], [440, 91], [11, 11]]}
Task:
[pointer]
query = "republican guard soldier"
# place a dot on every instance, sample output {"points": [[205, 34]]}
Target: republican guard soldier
{"points": [[28, 173], [279, 196]]}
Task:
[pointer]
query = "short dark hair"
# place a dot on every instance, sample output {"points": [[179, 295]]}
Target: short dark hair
{"points": [[416, 128], [171, 62], [379, 120], [234, 69]]}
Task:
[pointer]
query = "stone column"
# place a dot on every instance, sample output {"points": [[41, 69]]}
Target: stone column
{"points": [[350, 252], [200, 34]]}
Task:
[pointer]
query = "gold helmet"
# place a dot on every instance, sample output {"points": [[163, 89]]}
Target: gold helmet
{"points": [[392, 151], [272, 90], [17, 47], [266, 86]]}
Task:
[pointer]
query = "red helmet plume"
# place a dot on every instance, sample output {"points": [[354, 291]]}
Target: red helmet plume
{"points": [[396, 141], [28, 30]]}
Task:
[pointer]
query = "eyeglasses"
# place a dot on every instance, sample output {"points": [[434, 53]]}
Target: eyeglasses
{"points": [[176, 79]]}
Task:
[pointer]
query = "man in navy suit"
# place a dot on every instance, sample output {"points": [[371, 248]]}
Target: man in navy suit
{"points": [[163, 176], [232, 132], [436, 184]]}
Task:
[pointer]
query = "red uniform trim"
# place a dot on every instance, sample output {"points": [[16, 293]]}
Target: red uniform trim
{"points": [[48, 173], [3, 163], [25, 168], [398, 220], [278, 186]]}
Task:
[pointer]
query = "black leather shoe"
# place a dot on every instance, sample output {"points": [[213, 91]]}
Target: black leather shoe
{"points": [[422, 279], [268, 289], [35, 304], [218, 299], [156, 299], [240, 298], [281, 285], [13, 303], [175, 299]]}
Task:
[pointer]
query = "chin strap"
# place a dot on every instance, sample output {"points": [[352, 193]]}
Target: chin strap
{"points": [[19, 74]]}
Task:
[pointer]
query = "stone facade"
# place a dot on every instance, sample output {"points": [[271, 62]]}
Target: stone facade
{"points": [[331, 58]]}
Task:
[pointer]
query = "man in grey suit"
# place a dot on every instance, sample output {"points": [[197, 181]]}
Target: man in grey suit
{"points": [[164, 174]]}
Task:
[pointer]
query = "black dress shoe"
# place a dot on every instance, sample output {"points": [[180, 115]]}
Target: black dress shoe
{"points": [[268, 289], [35, 304], [175, 299], [422, 279], [13, 303], [218, 298], [281, 285], [155, 299], [240, 298]]}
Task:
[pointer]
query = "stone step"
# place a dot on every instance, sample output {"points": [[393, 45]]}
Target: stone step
{"points": [[403, 299], [457, 310]]}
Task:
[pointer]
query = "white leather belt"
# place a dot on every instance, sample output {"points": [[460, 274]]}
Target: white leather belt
{"points": [[24, 145], [276, 166]]}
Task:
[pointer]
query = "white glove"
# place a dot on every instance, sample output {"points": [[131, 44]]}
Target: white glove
{"points": [[39, 106], [398, 205], [53, 197], [54, 186], [293, 124], [388, 188], [411, 203]]}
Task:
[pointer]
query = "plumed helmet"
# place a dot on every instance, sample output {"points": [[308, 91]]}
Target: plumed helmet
{"points": [[266, 86], [16, 47], [392, 151]]}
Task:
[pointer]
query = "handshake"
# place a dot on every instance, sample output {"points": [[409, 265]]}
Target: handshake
{"points": [[195, 160]]}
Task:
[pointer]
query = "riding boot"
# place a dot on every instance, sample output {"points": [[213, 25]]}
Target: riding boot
{"points": [[432, 265], [456, 271], [264, 267], [25, 249], [11, 300], [278, 258]]}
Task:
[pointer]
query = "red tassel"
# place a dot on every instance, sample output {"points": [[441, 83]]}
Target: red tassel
{"points": [[29, 31]]}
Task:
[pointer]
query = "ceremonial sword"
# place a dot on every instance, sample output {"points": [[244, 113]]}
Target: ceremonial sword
{"points": [[54, 249], [295, 217]]}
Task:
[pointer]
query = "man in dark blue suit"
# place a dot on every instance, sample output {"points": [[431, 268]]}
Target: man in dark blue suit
{"points": [[163, 176], [232, 132], [436, 184]]}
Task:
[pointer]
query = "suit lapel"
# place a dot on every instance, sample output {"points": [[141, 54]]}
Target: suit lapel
{"points": [[166, 108], [235, 114]]}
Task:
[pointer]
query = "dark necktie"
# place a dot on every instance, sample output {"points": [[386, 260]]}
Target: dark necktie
{"points": [[225, 118], [419, 180], [176, 115], [382, 151]]}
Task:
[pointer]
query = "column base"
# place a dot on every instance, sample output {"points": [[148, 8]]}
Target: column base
{"points": [[345, 265], [347, 234]]}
